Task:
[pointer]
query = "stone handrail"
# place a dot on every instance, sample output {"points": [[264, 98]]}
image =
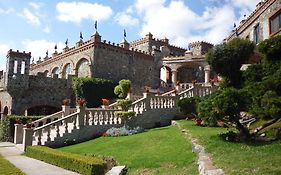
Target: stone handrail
{"points": [[99, 116], [186, 93], [169, 93], [72, 118], [45, 119], [113, 105]]}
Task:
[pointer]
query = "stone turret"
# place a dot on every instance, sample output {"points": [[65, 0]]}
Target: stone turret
{"points": [[124, 43], [96, 37], [200, 47], [18, 66]]}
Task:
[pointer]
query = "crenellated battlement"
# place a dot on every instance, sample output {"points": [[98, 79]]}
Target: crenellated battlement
{"points": [[18, 54]]}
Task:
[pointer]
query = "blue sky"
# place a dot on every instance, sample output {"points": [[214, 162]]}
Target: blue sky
{"points": [[36, 26]]}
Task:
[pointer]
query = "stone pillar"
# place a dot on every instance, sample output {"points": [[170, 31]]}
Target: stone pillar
{"points": [[18, 135], [130, 95], [174, 77], [66, 110], [81, 115], [207, 70], [27, 137]]}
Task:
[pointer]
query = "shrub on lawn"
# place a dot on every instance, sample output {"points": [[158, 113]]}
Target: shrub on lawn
{"points": [[123, 131], [87, 165]]}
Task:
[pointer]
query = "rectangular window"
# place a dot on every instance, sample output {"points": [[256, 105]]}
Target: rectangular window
{"points": [[275, 23], [257, 33], [15, 66], [22, 67]]}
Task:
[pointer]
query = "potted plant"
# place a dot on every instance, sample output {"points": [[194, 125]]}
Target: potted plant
{"points": [[81, 102], [66, 102], [28, 123], [105, 102]]}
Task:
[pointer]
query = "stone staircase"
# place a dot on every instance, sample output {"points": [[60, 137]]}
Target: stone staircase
{"points": [[80, 124]]}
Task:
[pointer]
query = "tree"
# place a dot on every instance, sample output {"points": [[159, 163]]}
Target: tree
{"points": [[226, 105], [122, 88], [227, 59], [188, 105], [271, 48]]}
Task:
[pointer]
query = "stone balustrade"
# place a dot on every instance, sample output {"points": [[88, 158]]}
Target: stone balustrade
{"points": [[83, 121], [98, 116]]}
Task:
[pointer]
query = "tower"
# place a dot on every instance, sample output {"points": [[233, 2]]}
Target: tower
{"points": [[17, 67]]}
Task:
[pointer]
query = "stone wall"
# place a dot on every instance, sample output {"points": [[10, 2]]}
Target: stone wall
{"points": [[260, 16], [42, 91]]}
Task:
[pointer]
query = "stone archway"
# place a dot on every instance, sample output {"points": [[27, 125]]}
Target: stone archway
{"points": [[42, 110], [83, 68], [55, 71], [67, 70]]}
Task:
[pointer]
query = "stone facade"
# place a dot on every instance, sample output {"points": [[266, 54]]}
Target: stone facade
{"points": [[257, 26], [25, 87]]}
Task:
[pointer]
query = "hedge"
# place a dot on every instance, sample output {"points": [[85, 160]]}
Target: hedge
{"points": [[7, 126], [93, 90], [86, 165]]}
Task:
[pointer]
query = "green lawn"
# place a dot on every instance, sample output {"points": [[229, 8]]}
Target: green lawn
{"points": [[159, 151], [238, 158], [7, 168]]}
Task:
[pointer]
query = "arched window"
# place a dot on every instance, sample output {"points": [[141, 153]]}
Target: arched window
{"points": [[46, 73], [55, 71], [83, 68], [67, 70]]}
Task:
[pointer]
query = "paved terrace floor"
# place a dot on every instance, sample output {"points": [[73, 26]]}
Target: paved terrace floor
{"points": [[28, 165]]}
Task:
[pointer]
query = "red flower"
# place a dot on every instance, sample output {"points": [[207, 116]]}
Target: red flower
{"points": [[105, 101], [81, 102]]}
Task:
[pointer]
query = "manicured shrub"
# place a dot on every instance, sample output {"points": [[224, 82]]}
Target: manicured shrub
{"points": [[188, 105], [122, 88], [7, 125], [124, 114], [5, 135], [86, 165], [124, 104]]}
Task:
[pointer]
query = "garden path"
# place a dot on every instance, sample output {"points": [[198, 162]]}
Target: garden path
{"points": [[28, 165]]}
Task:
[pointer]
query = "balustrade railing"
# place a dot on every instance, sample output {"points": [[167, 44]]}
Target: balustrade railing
{"points": [[55, 128], [162, 102], [98, 116]]}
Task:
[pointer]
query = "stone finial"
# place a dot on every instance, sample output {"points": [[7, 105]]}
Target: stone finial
{"points": [[96, 37]]}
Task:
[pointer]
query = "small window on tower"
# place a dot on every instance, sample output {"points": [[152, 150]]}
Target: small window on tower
{"points": [[15, 66], [22, 71]]}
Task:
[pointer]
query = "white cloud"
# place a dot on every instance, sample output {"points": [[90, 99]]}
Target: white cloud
{"points": [[38, 48], [35, 5], [31, 18], [249, 4], [7, 11], [181, 24], [77, 11], [4, 48], [126, 18]]}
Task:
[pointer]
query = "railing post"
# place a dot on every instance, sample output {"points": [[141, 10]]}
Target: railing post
{"points": [[27, 137], [66, 110], [81, 115], [18, 136]]}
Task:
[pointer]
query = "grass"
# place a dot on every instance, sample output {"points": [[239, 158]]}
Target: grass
{"points": [[238, 158], [162, 151], [7, 168]]}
